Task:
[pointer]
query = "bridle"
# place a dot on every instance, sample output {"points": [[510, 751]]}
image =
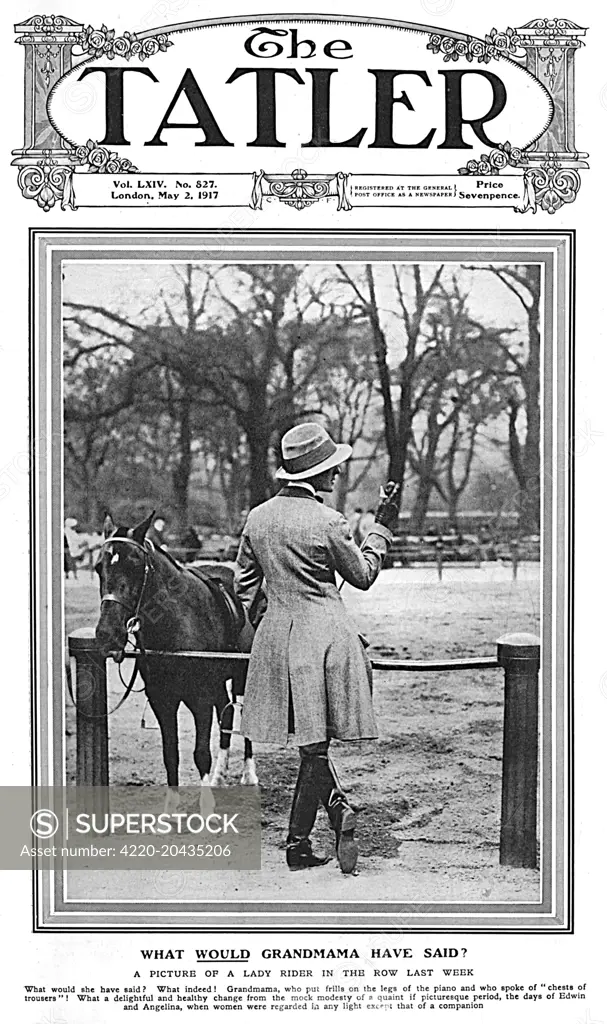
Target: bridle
{"points": [[133, 623]]}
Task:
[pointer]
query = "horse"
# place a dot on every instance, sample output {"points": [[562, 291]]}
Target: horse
{"points": [[174, 608]]}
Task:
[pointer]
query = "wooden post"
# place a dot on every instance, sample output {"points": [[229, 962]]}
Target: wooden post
{"points": [[519, 655], [91, 711], [439, 557], [514, 551]]}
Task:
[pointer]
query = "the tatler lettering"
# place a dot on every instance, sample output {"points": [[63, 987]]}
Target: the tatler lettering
{"points": [[389, 92]]}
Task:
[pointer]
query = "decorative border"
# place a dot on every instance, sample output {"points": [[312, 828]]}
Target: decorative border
{"points": [[496, 44], [103, 42]]}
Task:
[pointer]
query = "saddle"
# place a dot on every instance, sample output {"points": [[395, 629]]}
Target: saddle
{"points": [[228, 603]]}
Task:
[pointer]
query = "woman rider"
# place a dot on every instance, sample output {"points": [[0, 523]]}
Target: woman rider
{"points": [[309, 672]]}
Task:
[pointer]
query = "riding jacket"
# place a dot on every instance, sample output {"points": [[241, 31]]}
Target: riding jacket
{"points": [[307, 656]]}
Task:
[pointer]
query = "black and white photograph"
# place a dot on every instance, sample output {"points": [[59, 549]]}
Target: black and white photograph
{"points": [[324, 463]]}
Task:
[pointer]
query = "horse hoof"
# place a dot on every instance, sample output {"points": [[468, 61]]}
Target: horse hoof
{"points": [[249, 779], [171, 802], [206, 801]]}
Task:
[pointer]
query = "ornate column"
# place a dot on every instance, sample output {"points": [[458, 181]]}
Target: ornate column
{"points": [[47, 41], [550, 45], [45, 169]]}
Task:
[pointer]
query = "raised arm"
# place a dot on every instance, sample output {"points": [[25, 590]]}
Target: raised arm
{"points": [[358, 566]]}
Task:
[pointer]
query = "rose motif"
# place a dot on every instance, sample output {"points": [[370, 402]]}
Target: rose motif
{"points": [[136, 47], [96, 39], [150, 47], [472, 166], [461, 47], [498, 159], [477, 48], [483, 167], [112, 166], [499, 40], [121, 46], [97, 158], [447, 44], [82, 154], [162, 38], [516, 155]]}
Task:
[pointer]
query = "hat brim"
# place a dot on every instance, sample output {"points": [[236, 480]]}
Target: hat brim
{"points": [[341, 454]]}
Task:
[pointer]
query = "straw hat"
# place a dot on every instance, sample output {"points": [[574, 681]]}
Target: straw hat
{"points": [[308, 450]]}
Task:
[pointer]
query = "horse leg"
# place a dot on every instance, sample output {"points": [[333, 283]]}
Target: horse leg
{"points": [[249, 772], [165, 707], [201, 706], [225, 717]]}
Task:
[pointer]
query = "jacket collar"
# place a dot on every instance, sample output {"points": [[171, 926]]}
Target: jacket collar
{"points": [[299, 492]]}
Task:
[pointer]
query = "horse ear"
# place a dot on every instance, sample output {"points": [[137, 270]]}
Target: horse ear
{"points": [[108, 526], [138, 532]]}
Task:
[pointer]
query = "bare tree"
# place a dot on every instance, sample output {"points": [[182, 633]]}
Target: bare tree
{"points": [[241, 345], [524, 416], [399, 409]]}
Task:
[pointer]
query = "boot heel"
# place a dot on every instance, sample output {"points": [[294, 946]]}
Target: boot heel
{"points": [[347, 851], [347, 848]]}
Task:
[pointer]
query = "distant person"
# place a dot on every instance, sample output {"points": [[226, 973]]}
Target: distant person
{"points": [[72, 547], [192, 544], [156, 532], [486, 544], [92, 544]]}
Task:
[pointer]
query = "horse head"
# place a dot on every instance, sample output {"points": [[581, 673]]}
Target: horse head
{"points": [[123, 568]]}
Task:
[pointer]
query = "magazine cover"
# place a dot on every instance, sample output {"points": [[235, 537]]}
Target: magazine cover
{"points": [[303, 466]]}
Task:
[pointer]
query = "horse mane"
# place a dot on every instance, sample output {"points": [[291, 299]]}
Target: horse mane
{"points": [[166, 554]]}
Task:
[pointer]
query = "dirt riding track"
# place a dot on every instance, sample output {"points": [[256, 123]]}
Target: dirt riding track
{"points": [[428, 790]]}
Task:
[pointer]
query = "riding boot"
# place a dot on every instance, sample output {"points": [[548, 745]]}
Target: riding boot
{"points": [[342, 817], [303, 816]]}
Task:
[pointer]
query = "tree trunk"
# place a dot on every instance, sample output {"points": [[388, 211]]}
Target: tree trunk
{"points": [[426, 472], [258, 434], [452, 511], [420, 508], [182, 472]]}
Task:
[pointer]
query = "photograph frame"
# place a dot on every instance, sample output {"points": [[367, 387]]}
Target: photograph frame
{"points": [[53, 910]]}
